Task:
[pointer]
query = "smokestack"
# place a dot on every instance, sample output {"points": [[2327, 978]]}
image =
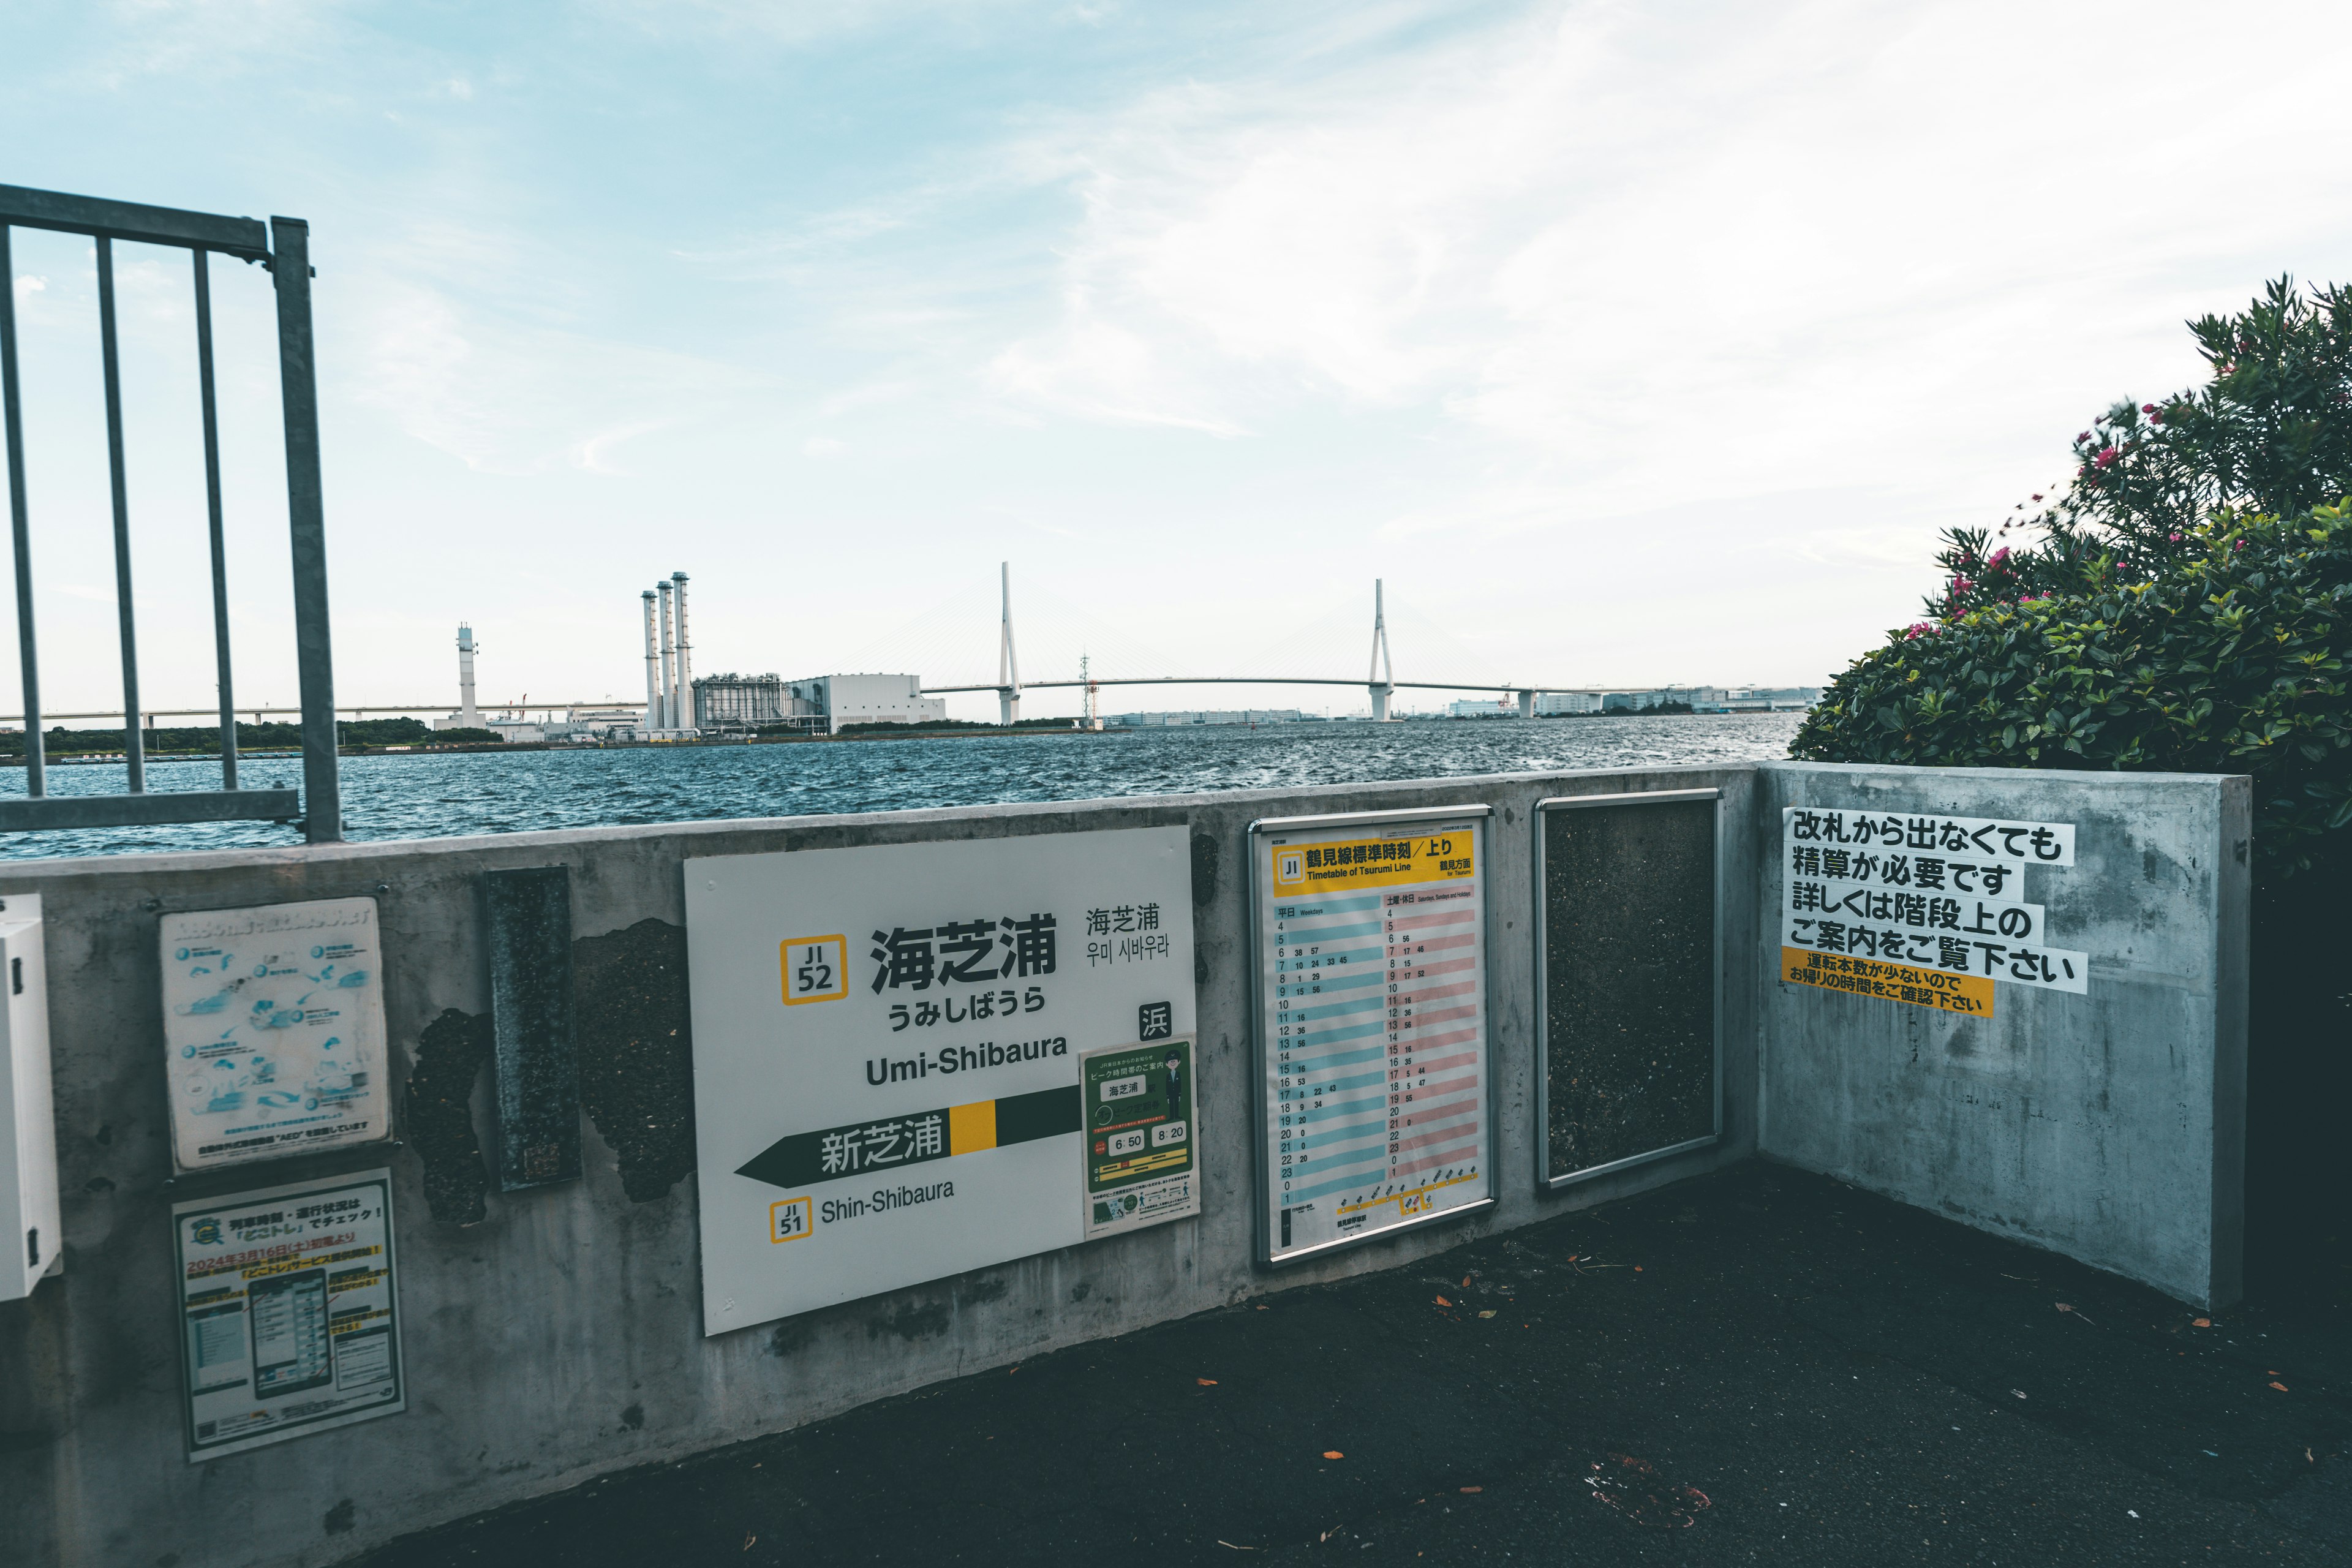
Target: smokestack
{"points": [[669, 663], [685, 688], [467, 714], [653, 694]]}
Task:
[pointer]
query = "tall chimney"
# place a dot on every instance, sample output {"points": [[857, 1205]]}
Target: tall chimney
{"points": [[653, 674], [669, 663], [467, 714], [685, 688]]}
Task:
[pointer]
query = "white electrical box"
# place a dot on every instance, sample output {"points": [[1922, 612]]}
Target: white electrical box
{"points": [[31, 1229]]}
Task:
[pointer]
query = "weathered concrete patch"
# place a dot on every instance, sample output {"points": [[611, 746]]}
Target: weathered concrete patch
{"points": [[637, 1051], [440, 1121]]}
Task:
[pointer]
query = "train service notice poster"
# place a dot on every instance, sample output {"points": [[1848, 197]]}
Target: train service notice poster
{"points": [[1920, 908], [273, 1023], [289, 1312], [897, 1058], [1143, 1122], [1375, 1062]]}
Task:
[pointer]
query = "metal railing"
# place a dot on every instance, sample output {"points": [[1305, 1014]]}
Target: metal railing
{"points": [[283, 247]]}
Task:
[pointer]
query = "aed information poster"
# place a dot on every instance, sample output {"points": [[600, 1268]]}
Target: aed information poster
{"points": [[889, 1057], [273, 1023], [1375, 1077], [289, 1312]]}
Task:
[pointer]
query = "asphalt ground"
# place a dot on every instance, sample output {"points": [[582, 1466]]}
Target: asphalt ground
{"points": [[1757, 1367]]}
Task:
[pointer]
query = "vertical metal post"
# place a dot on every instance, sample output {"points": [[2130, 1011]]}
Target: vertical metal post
{"points": [[12, 416], [134, 740], [322, 796], [212, 500]]}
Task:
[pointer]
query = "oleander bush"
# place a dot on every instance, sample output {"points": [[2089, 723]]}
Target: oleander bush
{"points": [[2173, 608], [2222, 655]]}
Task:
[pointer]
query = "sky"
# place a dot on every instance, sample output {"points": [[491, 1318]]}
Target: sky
{"points": [[1626, 344]]}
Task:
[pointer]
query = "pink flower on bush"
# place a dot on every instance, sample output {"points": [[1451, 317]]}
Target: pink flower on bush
{"points": [[2082, 439], [2037, 497], [2174, 537], [1917, 628], [2148, 408], [1962, 585], [1998, 556], [2107, 458]]}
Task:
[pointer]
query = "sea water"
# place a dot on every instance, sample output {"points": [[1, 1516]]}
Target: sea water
{"points": [[439, 795]]}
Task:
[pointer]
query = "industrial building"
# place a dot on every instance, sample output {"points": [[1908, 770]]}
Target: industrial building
{"points": [[1210, 716], [732, 703], [669, 662], [834, 702], [1697, 699], [467, 716]]}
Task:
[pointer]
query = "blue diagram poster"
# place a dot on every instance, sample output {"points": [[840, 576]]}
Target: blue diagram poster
{"points": [[273, 1023]]}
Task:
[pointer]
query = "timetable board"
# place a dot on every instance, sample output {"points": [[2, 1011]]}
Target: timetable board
{"points": [[1375, 1071]]}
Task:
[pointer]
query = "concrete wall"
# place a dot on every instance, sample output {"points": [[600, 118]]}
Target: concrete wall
{"points": [[560, 1336], [2108, 1126]]}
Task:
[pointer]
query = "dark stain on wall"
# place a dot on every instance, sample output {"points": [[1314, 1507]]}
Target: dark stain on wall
{"points": [[910, 1321], [637, 1051], [449, 1058], [1204, 868]]}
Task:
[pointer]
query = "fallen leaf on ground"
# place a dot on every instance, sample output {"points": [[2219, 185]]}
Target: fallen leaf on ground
{"points": [[1441, 1301], [1465, 1282], [1333, 1454], [2200, 1322], [1487, 1313], [2065, 1307], [1637, 1269], [1474, 1489], [748, 1541], [2280, 1386]]}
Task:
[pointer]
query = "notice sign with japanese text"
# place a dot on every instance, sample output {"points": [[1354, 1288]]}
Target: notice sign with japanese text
{"points": [[1921, 908], [289, 1312], [1142, 1124], [888, 1052], [1373, 1052], [273, 1024]]}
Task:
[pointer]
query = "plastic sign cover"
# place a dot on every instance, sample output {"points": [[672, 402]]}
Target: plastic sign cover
{"points": [[273, 1023], [1920, 908], [289, 1312], [888, 1045], [1372, 1018]]}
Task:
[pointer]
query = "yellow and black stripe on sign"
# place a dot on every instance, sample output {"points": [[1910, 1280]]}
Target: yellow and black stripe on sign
{"points": [[917, 1138]]}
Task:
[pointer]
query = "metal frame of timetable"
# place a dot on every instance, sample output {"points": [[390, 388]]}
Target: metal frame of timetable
{"points": [[1537, 819], [1262, 1163]]}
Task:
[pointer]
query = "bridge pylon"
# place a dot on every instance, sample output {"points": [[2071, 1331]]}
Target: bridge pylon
{"points": [[1382, 676], [1008, 666]]}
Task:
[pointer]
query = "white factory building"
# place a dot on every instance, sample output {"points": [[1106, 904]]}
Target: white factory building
{"points": [[838, 701]]}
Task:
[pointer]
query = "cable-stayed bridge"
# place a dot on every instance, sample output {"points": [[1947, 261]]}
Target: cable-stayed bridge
{"points": [[1379, 680]]}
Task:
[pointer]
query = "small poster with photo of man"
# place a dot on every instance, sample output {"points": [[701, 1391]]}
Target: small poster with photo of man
{"points": [[1143, 1123]]}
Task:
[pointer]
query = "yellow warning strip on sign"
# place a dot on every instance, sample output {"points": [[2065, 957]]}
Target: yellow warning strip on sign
{"points": [[1941, 989]]}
